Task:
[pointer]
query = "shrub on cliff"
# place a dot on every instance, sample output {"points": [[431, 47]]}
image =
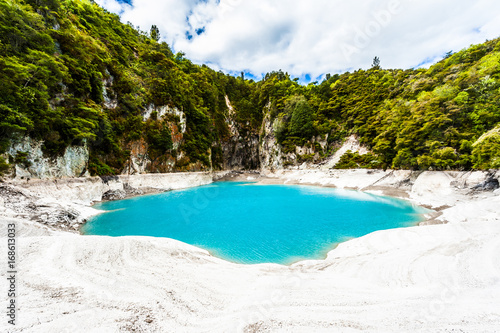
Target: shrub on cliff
{"points": [[4, 166]]}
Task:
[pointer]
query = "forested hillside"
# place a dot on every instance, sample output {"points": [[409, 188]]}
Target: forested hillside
{"points": [[71, 74]]}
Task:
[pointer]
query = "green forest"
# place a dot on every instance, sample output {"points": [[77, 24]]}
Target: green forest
{"points": [[61, 59]]}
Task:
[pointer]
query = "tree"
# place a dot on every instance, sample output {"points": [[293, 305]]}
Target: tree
{"points": [[154, 33], [376, 63], [301, 124], [159, 138]]}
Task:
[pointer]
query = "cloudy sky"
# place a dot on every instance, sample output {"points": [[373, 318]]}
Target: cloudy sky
{"points": [[309, 38]]}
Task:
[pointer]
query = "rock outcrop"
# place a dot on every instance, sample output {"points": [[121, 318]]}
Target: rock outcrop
{"points": [[241, 150], [141, 162], [270, 153], [313, 154], [36, 164]]}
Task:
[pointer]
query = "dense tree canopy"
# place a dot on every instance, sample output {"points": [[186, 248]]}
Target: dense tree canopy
{"points": [[63, 61]]}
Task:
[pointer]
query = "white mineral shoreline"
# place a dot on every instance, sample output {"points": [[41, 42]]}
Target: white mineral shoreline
{"points": [[429, 278]]}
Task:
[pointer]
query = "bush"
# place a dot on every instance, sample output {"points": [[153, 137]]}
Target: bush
{"points": [[22, 158], [354, 160], [4, 166], [99, 168], [486, 152]]}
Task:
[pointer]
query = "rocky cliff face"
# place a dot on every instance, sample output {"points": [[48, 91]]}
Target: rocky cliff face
{"points": [[163, 111], [312, 154], [241, 150], [32, 163], [244, 149], [141, 162], [241, 153]]}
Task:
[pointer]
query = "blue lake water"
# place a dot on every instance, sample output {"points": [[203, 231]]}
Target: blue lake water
{"points": [[249, 224]]}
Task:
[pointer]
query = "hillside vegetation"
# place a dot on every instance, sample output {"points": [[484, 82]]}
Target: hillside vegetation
{"points": [[72, 74]]}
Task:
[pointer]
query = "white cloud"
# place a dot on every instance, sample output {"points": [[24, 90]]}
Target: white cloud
{"points": [[315, 36]]}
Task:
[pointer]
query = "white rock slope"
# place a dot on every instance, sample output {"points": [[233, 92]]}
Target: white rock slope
{"points": [[438, 278]]}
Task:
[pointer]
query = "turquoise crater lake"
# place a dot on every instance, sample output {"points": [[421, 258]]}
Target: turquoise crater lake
{"points": [[247, 223]]}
